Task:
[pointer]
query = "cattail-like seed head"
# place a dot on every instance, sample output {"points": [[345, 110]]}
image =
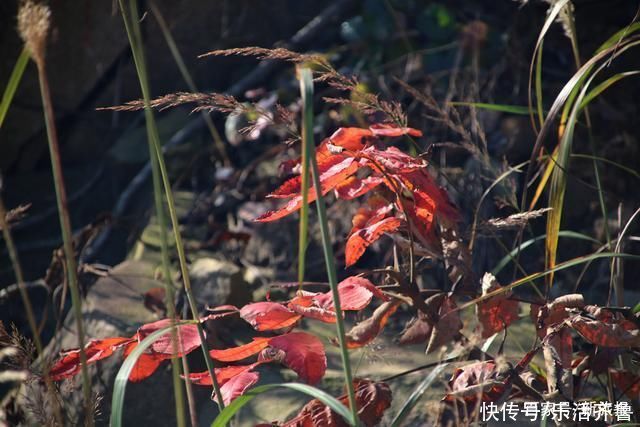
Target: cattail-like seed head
{"points": [[33, 26]]}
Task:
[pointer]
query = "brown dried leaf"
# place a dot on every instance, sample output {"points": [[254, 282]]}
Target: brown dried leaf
{"points": [[366, 331], [513, 221], [448, 325]]}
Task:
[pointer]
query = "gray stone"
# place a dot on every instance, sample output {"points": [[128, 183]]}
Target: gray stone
{"points": [[217, 282]]}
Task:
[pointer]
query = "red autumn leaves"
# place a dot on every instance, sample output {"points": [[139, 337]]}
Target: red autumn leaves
{"points": [[300, 351], [355, 294], [162, 349], [351, 163]]}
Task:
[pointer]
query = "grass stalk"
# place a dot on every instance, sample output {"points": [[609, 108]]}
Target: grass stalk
{"points": [[307, 152], [17, 269], [133, 31], [65, 226], [164, 239], [26, 301], [184, 71], [12, 85], [306, 89]]}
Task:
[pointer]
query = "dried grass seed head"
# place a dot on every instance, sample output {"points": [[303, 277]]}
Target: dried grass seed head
{"points": [[34, 20]]}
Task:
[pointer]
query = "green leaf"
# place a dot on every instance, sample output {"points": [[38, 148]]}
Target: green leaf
{"points": [[12, 85], [232, 409], [417, 394]]}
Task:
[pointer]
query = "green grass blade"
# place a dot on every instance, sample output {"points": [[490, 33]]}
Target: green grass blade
{"points": [[122, 378], [559, 174], [619, 36], [307, 152], [232, 409], [558, 267], [504, 108], [135, 39], [416, 394], [596, 91], [306, 88], [511, 255], [608, 161], [567, 94], [12, 85], [539, 102], [536, 58]]}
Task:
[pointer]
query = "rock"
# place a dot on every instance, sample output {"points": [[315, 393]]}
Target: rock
{"points": [[217, 282]]}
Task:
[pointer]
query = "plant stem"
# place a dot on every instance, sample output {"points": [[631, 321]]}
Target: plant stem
{"points": [[307, 152], [17, 269], [177, 57], [65, 226], [306, 88], [31, 319], [133, 31], [162, 224], [12, 85]]}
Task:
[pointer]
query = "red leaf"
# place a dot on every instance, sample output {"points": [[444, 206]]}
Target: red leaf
{"points": [[222, 374], [69, 363], [234, 354], [392, 160], [269, 316], [333, 171], [237, 385], [146, 364], [430, 201], [619, 334], [498, 312], [355, 187], [304, 354], [391, 129], [547, 316], [361, 239], [366, 331], [352, 139], [476, 380], [355, 294], [188, 338], [307, 306]]}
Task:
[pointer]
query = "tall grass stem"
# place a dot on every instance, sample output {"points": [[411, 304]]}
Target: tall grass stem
{"points": [[135, 39], [65, 226], [306, 88]]}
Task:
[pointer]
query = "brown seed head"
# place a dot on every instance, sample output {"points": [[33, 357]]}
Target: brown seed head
{"points": [[33, 26]]}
